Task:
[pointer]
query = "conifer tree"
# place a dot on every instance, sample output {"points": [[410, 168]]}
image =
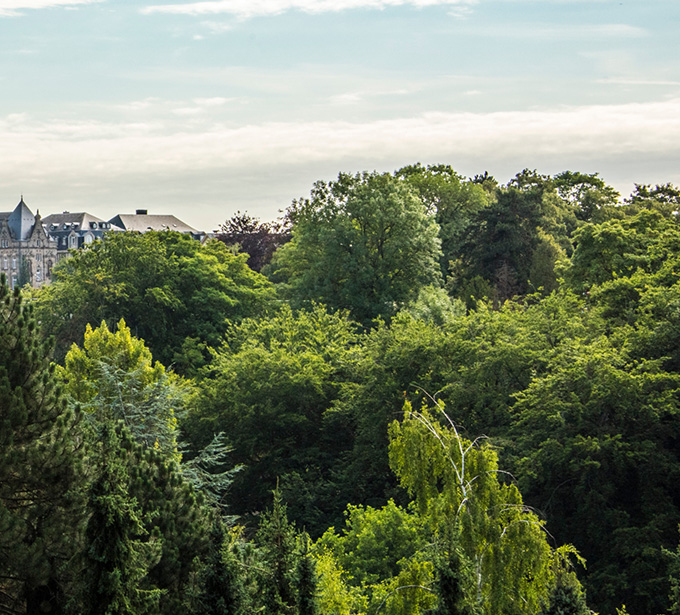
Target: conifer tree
{"points": [[40, 455], [223, 591], [306, 580], [118, 550], [276, 536]]}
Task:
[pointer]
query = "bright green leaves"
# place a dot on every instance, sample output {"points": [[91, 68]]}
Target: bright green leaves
{"points": [[379, 562], [456, 483]]}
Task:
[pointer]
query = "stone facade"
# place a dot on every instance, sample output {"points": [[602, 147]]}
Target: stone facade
{"points": [[27, 253]]}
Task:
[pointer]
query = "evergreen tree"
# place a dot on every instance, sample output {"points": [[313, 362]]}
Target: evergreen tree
{"points": [[223, 589], [306, 580], [40, 460], [276, 537], [119, 552]]}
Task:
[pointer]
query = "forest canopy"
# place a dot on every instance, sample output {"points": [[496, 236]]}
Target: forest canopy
{"points": [[436, 395]]}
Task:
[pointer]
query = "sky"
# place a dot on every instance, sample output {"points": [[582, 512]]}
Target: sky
{"points": [[202, 109]]}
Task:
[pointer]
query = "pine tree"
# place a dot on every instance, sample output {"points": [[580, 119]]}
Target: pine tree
{"points": [[306, 580], [276, 536], [40, 457], [119, 552], [223, 591]]}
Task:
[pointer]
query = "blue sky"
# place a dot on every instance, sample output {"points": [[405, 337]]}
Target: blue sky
{"points": [[204, 108]]}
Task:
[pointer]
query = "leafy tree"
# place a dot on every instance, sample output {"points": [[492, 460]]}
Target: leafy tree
{"points": [[257, 239], [272, 390], [588, 194], [452, 200], [364, 243], [619, 247], [454, 482], [514, 243], [40, 467], [381, 555], [113, 376], [168, 287]]}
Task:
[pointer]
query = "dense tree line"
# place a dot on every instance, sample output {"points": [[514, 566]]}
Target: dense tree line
{"points": [[426, 394]]}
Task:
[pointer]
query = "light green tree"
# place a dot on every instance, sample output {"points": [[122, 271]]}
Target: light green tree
{"points": [[457, 483]]}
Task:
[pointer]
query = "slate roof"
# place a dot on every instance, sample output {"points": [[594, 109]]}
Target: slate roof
{"points": [[20, 221], [80, 221], [152, 222]]}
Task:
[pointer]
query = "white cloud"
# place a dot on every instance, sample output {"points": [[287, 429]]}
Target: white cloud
{"points": [[268, 164], [245, 9], [10, 8]]}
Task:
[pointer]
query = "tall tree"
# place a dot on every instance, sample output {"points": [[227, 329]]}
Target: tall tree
{"points": [[455, 482], [119, 551], [40, 467], [364, 243]]}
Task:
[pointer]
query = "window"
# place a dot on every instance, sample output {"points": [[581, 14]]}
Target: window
{"points": [[5, 263], [72, 241], [14, 262], [38, 275]]}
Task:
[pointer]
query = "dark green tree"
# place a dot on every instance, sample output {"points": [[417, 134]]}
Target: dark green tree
{"points": [[305, 579], [40, 467], [223, 586], [276, 538], [271, 389], [119, 551]]}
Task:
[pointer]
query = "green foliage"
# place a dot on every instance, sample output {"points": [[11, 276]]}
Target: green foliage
{"points": [[453, 200], [376, 563], [363, 243], [223, 584], [271, 390], [455, 482], [113, 376], [40, 466], [167, 286], [118, 549]]}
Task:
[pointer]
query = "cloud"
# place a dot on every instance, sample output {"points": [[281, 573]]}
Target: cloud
{"points": [[246, 9], [265, 165], [11, 8]]}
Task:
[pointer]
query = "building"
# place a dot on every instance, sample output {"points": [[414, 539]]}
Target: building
{"points": [[27, 253], [75, 230], [142, 221]]}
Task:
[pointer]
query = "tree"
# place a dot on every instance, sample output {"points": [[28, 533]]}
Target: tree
{"points": [[223, 589], [588, 194], [259, 240], [364, 243], [113, 377], [168, 287], [452, 199], [455, 482], [271, 389], [119, 552], [40, 467]]}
